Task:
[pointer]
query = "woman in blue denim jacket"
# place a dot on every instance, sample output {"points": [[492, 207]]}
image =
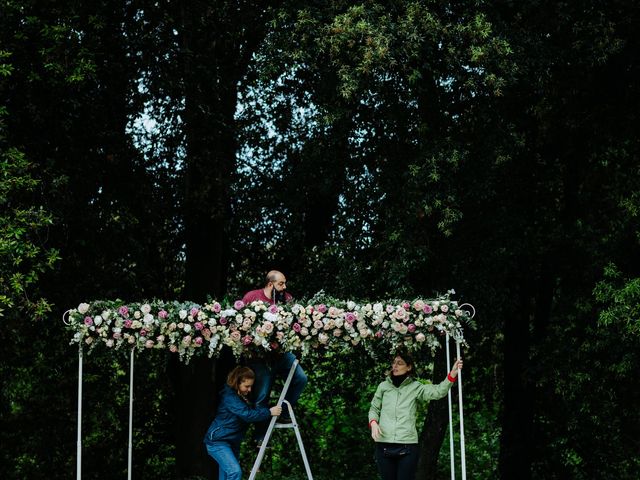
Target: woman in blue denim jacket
{"points": [[235, 412]]}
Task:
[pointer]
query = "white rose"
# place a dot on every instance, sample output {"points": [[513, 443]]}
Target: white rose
{"points": [[148, 318], [83, 308], [97, 320], [187, 328], [146, 308], [106, 314], [182, 314], [377, 307], [270, 317], [137, 314], [351, 305]]}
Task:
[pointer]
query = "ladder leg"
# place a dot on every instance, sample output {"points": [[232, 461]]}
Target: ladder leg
{"points": [[300, 444], [265, 441]]}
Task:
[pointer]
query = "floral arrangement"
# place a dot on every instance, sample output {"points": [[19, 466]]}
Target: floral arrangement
{"points": [[258, 328]]}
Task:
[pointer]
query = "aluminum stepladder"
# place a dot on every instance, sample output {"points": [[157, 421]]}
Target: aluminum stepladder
{"points": [[273, 424]]}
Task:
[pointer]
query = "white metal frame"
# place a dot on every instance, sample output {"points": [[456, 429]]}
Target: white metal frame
{"points": [[272, 424]]}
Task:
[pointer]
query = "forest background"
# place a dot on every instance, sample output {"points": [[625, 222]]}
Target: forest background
{"points": [[369, 150]]}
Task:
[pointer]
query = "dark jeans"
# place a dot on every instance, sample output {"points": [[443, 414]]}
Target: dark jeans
{"points": [[400, 468], [264, 380]]}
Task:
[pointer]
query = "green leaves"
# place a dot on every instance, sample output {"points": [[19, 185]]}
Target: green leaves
{"points": [[621, 300]]}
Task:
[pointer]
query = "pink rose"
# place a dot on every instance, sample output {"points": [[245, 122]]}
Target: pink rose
{"points": [[350, 317], [186, 339], [379, 334], [223, 321], [198, 341], [128, 323], [297, 327], [217, 307], [238, 304], [173, 349], [88, 321], [143, 333], [247, 339], [194, 312], [206, 333], [274, 345], [318, 324], [163, 314], [117, 335], [124, 311], [418, 305], [273, 309], [405, 305], [236, 336], [427, 309], [444, 308], [198, 326], [411, 327], [322, 308]]}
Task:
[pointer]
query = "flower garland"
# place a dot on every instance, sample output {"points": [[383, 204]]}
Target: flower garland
{"points": [[258, 328]]}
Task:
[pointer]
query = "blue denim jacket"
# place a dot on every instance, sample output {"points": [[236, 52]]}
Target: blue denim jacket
{"points": [[233, 418]]}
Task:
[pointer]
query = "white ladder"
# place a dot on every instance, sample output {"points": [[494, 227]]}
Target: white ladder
{"points": [[273, 424]]}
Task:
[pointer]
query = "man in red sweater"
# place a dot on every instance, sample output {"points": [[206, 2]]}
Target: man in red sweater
{"points": [[274, 291], [276, 363]]}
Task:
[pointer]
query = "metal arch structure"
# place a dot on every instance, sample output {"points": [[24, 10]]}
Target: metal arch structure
{"points": [[271, 426]]}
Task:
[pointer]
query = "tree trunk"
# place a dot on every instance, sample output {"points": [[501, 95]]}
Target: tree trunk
{"points": [[216, 47], [517, 421]]}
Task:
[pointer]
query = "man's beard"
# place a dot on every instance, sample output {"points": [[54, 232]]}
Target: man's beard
{"points": [[279, 296]]}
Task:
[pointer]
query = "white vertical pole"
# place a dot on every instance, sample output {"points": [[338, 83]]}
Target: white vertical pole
{"points": [[130, 416], [79, 441], [462, 451], [451, 446]]}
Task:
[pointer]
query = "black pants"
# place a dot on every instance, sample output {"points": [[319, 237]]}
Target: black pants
{"points": [[397, 468]]}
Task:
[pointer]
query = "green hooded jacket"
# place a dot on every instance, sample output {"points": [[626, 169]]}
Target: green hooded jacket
{"points": [[394, 408]]}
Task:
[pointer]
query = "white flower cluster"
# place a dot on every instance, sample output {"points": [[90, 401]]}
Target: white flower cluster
{"points": [[188, 329]]}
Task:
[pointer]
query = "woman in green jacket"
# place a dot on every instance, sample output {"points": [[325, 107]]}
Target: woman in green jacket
{"points": [[392, 417]]}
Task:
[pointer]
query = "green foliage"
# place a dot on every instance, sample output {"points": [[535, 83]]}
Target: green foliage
{"points": [[24, 256], [621, 298]]}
